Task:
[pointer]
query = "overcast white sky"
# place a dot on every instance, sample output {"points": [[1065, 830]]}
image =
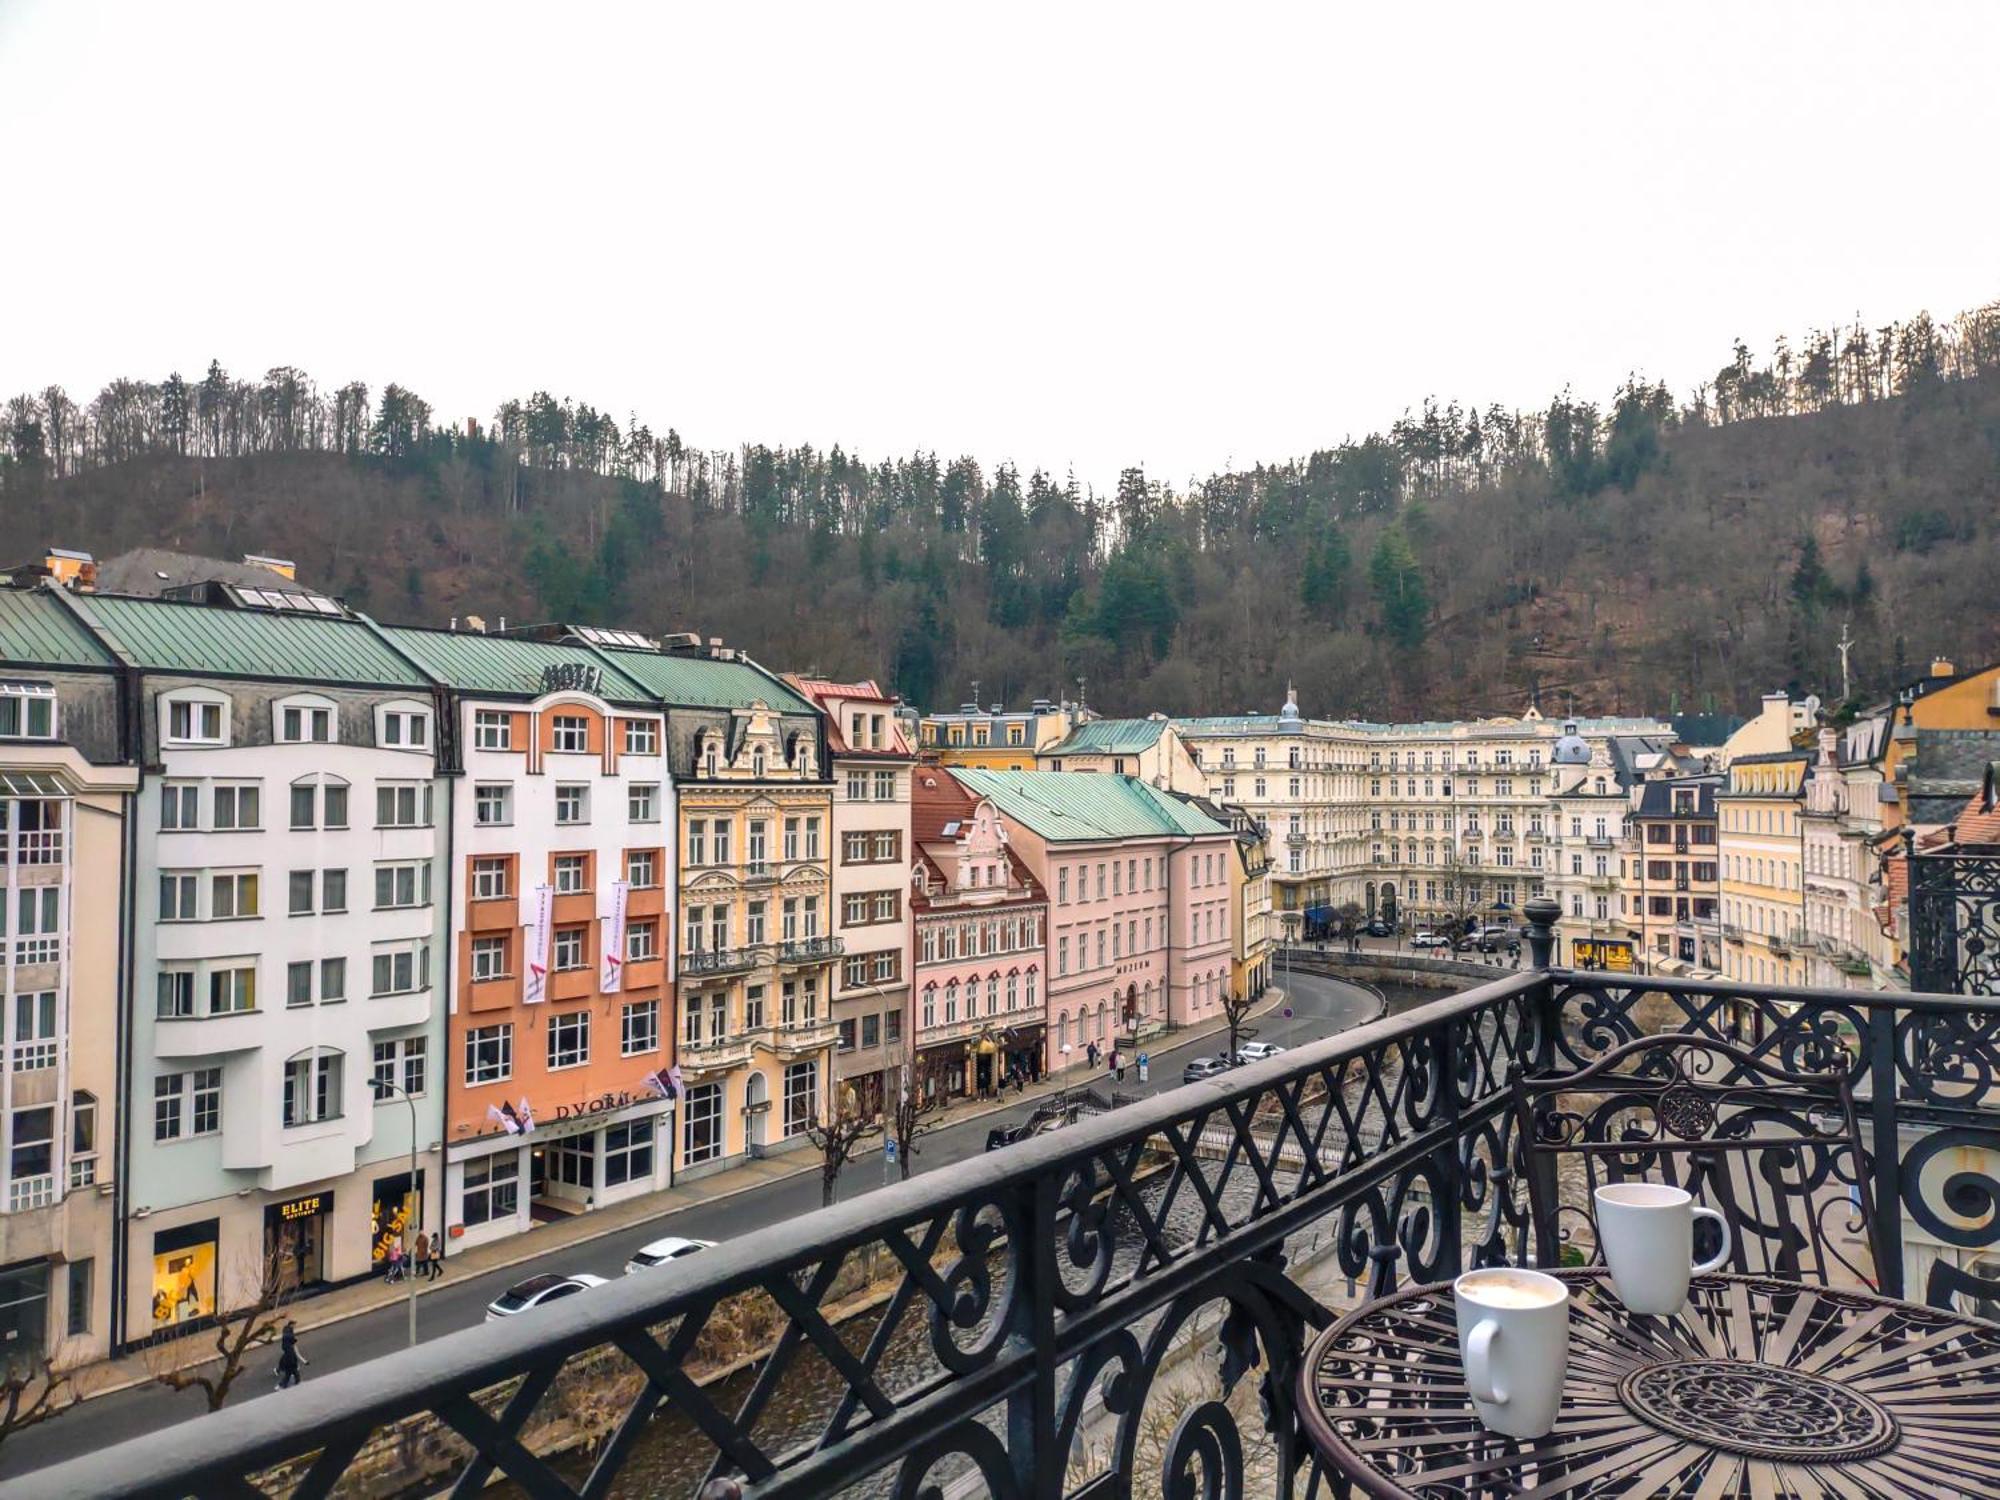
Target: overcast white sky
{"points": [[1075, 234]]}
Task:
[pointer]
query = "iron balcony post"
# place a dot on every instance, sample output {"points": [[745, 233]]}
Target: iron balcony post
{"points": [[1887, 1139]]}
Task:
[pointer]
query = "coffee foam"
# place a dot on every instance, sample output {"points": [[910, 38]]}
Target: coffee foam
{"points": [[1501, 1288]]}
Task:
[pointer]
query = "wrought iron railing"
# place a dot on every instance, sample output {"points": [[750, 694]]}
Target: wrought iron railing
{"points": [[1022, 1324]]}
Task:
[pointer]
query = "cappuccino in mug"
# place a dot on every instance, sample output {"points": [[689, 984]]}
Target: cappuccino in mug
{"points": [[1513, 1338]]}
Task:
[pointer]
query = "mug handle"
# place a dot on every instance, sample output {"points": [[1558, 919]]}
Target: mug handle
{"points": [[1721, 1257], [1479, 1363]]}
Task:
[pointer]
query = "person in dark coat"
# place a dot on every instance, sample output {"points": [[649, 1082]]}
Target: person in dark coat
{"points": [[289, 1358]]}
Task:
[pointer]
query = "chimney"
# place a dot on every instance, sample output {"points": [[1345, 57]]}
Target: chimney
{"points": [[476, 622], [1941, 667]]}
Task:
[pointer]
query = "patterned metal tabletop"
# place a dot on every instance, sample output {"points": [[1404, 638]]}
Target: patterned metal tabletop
{"points": [[1759, 1390]]}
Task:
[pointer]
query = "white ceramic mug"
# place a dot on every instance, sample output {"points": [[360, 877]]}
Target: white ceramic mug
{"points": [[1513, 1339], [1647, 1232]]}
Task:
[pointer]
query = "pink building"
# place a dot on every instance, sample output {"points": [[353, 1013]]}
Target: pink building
{"points": [[980, 931], [1139, 892]]}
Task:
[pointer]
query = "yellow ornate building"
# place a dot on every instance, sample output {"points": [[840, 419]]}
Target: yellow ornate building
{"points": [[1761, 846]]}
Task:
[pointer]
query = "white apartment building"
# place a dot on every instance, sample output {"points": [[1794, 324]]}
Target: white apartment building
{"points": [[287, 947]]}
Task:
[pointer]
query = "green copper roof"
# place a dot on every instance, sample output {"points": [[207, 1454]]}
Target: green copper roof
{"points": [[1085, 806], [475, 663], [701, 682], [1111, 737], [164, 635], [35, 629]]}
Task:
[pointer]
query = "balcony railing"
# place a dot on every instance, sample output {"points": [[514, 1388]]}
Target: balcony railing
{"points": [[1042, 1298], [811, 950], [759, 872], [719, 961]]}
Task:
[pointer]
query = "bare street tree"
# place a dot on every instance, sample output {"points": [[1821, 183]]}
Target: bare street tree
{"points": [[33, 1392], [1235, 1007], [238, 1333], [919, 1109], [838, 1137]]}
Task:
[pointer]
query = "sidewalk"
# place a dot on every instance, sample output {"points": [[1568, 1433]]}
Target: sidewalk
{"points": [[372, 1295]]}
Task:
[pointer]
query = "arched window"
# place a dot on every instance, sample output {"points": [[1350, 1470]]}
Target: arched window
{"points": [[993, 993], [951, 1002], [757, 761], [1013, 991], [319, 801], [711, 756], [1062, 1030], [312, 1090], [930, 1006], [1031, 989]]}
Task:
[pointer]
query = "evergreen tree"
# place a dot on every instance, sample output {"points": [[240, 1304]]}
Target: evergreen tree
{"points": [[1398, 581], [1323, 588]]}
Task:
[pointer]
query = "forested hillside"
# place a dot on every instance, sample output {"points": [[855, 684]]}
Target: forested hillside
{"points": [[1651, 553]]}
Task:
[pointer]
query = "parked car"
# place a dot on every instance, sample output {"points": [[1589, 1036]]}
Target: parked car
{"points": [[1430, 940], [1251, 1052], [1497, 940], [1204, 1067], [537, 1291], [1379, 928], [661, 1251]]}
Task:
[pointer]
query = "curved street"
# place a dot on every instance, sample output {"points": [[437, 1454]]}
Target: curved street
{"points": [[1317, 1007]]}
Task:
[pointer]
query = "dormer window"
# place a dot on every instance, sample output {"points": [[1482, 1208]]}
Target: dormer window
{"points": [[757, 761], [711, 757], [306, 721], [27, 711], [194, 722], [404, 729]]}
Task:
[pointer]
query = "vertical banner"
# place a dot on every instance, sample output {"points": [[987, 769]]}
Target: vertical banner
{"points": [[612, 979], [535, 962]]}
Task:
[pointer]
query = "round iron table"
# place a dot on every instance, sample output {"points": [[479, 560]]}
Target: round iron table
{"points": [[1759, 1390]]}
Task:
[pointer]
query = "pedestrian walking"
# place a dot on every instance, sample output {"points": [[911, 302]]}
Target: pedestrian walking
{"points": [[437, 1256], [422, 1253], [289, 1358], [395, 1262], [1118, 1065]]}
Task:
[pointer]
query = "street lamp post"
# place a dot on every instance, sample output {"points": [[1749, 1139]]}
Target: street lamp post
{"points": [[383, 1089]]}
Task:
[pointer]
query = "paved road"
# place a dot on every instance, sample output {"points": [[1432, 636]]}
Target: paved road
{"points": [[1319, 1008]]}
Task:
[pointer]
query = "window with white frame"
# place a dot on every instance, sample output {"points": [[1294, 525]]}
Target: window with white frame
{"points": [[403, 1062], [642, 736], [232, 987], [180, 806], [573, 802], [642, 802], [801, 1097], [187, 1104], [492, 804], [305, 724], [569, 733], [175, 1001], [238, 806], [405, 729], [332, 980], [402, 804], [489, 958], [194, 722], [232, 894], [37, 924], [572, 874], [491, 880], [406, 883], [701, 1128], [34, 1031], [642, 869], [299, 983], [489, 1054], [568, 948], [569, 1039], [311, 1091], [82, 1139], [400, 970], [27, 711], [639, 1028], [642, 941], [492, 729]]}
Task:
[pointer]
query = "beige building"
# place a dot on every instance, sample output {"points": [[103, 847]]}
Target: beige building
{"points": [[1150, 749], [1430, 823], [993, 739], [65, 803], [1761, 837]]}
